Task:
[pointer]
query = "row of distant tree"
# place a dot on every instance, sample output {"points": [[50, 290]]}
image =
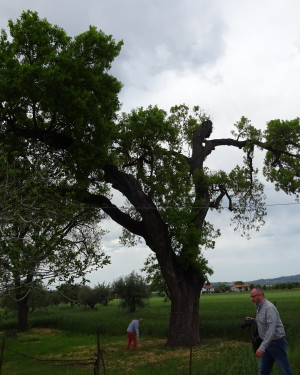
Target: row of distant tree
{"points": [[132, 290], [290, 285]]}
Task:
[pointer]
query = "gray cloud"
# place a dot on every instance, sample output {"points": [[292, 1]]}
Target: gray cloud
{"points": [[162, 36]]}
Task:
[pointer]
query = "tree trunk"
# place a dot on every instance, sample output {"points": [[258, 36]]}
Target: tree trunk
{"points": [[184, 320], [22, 313], [183, 280]]}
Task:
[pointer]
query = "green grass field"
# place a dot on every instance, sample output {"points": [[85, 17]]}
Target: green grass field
{"points": [[62, 340]]}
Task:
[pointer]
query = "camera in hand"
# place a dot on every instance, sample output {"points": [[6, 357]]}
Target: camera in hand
{"points": [[247, 323], [255, 339]]}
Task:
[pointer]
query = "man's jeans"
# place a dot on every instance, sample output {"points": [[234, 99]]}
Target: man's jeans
{"points": [[275, 352]]}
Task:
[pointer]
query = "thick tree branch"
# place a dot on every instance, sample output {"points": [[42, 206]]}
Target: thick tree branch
{"points": [[52, 139], [156, 232], [122, 218], [210, 145]]}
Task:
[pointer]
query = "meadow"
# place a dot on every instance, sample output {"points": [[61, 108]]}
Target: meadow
{"points": [[62, 340]]}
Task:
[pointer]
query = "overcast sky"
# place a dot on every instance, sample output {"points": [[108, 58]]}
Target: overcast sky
{"points": [[233, 58]]}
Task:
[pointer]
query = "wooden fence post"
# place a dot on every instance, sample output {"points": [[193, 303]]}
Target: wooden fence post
{"points": [[96, 367], [99, 355], [2, 352]]}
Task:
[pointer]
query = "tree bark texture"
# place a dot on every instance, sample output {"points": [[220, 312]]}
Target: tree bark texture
{"points": [[22, 313], [184, 319]]}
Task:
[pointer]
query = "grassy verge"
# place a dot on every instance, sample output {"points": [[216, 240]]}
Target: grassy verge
{"points": [[54, 352]]}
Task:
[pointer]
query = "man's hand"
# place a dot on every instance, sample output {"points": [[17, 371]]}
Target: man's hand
{"points": [[259, 353]]}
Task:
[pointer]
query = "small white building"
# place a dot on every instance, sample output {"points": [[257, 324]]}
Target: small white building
{"points": [[207, 289]]}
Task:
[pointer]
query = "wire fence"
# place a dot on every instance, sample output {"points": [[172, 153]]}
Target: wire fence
{"points": [[96, 363]]}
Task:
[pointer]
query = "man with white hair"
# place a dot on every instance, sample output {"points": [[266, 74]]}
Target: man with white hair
{"points": [[271, 331]]}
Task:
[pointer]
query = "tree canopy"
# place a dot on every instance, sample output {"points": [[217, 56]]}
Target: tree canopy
{"points": [[44, 236], [40, 230], [56, 89], [58, 98]]}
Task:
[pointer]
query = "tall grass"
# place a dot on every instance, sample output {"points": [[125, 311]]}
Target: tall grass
{"points": [[111, 319], [65, 332]]}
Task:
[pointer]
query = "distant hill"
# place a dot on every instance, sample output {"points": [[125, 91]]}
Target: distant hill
{"points": [[276, 280]]}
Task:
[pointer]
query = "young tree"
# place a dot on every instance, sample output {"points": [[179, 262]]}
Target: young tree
{"points": [[224, 288], [62, 85], [69, 293], [104, 293], [43, 236], [158, 161], [132, 290], [87, 296], [91, 296]]}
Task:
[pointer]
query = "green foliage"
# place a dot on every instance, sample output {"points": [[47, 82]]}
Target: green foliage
{"points": [[41, 231], [223, 288], [38, 297], [282, 161], [132, 290], [51, 83], [87, 296], [155, 278], [164, 173], [186, 121], [44, 236], [149, 161], [281, 142], [245, 130], [182, 193], [91, 296], [69, 293], [55, 89], [249, 202]]}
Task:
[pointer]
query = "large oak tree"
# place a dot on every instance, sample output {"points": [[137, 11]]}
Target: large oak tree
{"points": [[56, 93]]}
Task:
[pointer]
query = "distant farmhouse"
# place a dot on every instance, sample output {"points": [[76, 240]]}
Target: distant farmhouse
{"points": [[240, 288], [207, 289]]}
